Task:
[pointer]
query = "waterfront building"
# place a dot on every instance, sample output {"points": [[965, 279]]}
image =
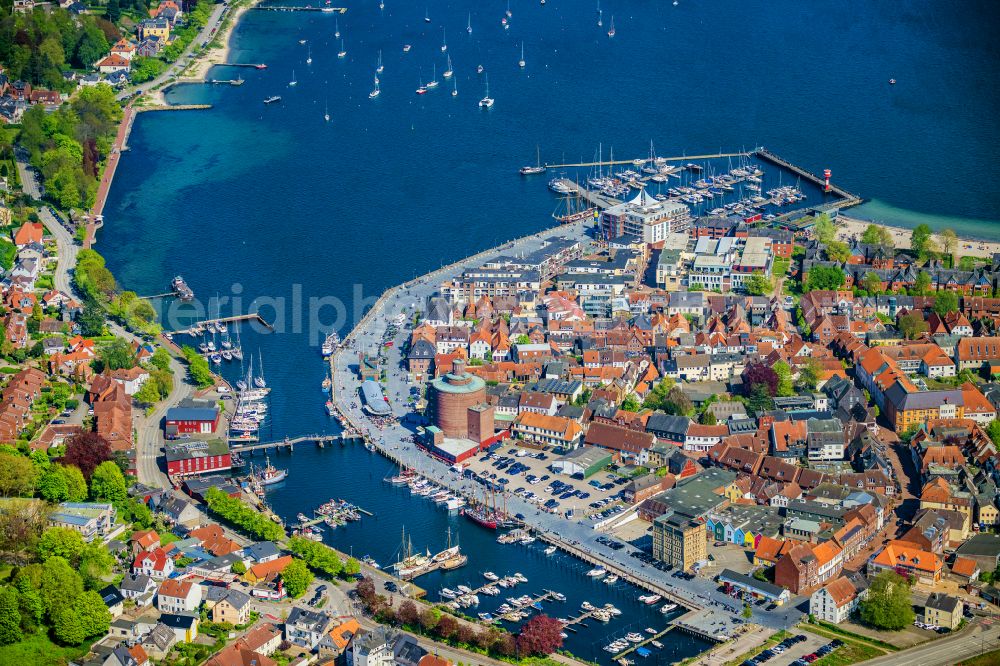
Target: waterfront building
{"points": [[679, 541], [645, 219], [197, 457], [191, 419], [451, 396]]}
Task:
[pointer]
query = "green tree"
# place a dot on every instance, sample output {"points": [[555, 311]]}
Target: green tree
{"points": [[118, 355], [238, 568], [146, 69], [809, 375], [522, 340], [837, 251], [351, 567], [108, 484], [60, 585], [760, 399], [945, 302], [114, 12], [785, 387], [888, 605], [60, 542], [10, 616], [871, 283], [949, 241], [92, 319], [912, 325], [67, 625], [17, 475], [52, 485], [825, 277], [747, 612], [919, 239], [631, 403], [993, 430], [878, 236], [658, 396], [708, 418], [94, 615], [823, 229], [758, 284], [161, 359], [922, 284], [148, 393], [678, 403], [96, 562], [296, 577], [198, 368]]}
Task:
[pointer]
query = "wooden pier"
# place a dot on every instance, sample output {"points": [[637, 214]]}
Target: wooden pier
{"points": [[253, 65], [253, 316], [847, 198], [173, 107], [682, 158], [590, 196], [286, 8], [290, 442]]}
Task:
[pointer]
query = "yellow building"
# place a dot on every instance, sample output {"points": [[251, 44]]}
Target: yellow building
{"points": [[233, 608], [679, 541], [943, 610], [155, 27]]}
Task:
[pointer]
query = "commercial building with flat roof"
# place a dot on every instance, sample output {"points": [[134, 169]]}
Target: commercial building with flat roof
{"points": [[374, 398], [586, 460], [679, 541]]}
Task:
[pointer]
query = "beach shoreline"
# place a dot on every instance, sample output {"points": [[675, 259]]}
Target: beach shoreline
{"points": [[849, 227], [216, 55]]}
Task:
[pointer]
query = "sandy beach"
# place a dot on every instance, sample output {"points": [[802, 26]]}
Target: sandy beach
{"points": [[848, 227], [198, 70]]}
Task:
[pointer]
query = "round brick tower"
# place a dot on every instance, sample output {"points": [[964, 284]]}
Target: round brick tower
{"points": [[453, 394]]}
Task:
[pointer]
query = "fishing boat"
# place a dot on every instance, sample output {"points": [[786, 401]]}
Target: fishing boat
{"points": [[293, 82], [380, 68], [538, 168], [272, 99], [487, 101], [270, 475], [433, 83], [448, 72], [520, 63], [611, 32], [375, 91], [444, 42], [343, 52]]}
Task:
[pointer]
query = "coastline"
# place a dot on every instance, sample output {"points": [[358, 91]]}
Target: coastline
{"points": [[848, 227], [198, 70]]}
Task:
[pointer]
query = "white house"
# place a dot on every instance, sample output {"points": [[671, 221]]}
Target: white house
{"points": [[176, 596], [835, 601]]}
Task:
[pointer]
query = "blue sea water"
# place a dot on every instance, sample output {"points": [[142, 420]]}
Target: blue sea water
{"points": [[270, 202]]}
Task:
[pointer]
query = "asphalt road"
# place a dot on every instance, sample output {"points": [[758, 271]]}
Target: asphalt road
{"points": [[394, 439], [978, 639]]}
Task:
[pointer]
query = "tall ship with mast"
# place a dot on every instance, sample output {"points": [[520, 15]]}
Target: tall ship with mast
{"points": [[486, 514], [410, 564]]}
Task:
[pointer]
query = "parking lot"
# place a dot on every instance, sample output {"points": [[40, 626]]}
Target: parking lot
{"points": [[525, 472], [798, 650]]}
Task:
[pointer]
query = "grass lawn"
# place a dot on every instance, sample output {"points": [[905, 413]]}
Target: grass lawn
{"points": [[988, 659], [769, 643], [38, 650], [849, 653], [168, 537]]}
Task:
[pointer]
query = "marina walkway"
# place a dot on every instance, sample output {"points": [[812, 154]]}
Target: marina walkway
{"points": [[395, 441]]}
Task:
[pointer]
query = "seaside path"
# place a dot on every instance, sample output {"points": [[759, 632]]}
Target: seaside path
{"points": [[396, 440], [205, 35]]}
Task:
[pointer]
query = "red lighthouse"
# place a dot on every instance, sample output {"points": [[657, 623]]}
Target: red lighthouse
{"points": [[826, 178]]}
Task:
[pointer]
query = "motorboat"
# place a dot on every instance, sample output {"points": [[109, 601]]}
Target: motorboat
{"points": [[649, 599], [597, 572]]}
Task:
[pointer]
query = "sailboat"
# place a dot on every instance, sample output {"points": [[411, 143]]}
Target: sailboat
{"points": [[520, 63], [468, 28], [381, 5], [378, 70], [487, 102], [309, 58], [336, 33], [444, 42], [427, 16], [258, 381], [326, 111], [538, 168], [611, 32], [343, 51], [600, 17], [375, 93], [422, 89], [509, 14], [433, 83], [454, 91], [447, 73], [293, 82]]}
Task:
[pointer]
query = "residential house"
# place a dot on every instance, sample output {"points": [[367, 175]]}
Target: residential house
{"points": [[943, 610], [835, 601], [178, 596]]}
